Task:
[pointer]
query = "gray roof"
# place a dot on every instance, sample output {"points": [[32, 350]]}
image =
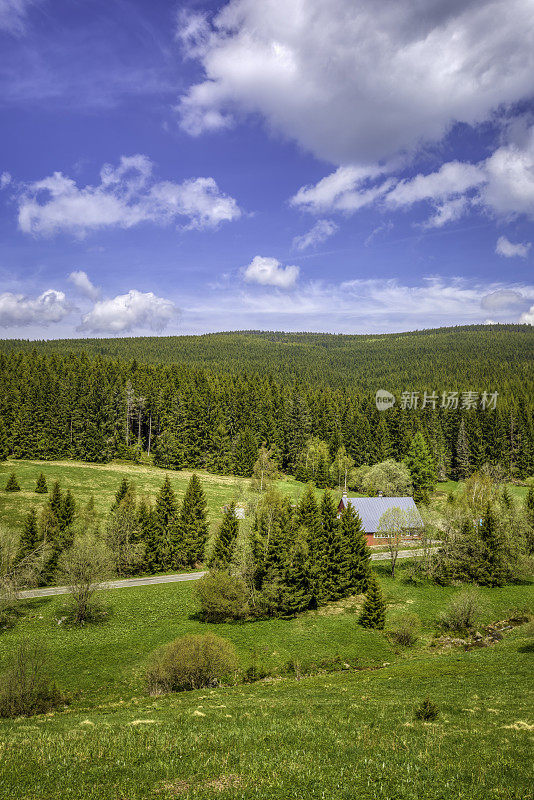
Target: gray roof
{"points": [[371, 509]]}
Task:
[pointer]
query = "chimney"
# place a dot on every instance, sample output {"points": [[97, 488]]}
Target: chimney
{"points": [[381, 494], [344, 495]]}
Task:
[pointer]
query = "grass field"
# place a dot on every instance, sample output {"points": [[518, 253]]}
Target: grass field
{"points": [[102, 481], [344, 735]]}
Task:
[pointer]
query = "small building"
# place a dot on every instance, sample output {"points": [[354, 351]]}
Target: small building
{"points": [[370, 509], [239, 511]]}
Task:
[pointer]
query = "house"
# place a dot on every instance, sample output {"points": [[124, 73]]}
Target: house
{"points": [[239, 511], [370, 509]]}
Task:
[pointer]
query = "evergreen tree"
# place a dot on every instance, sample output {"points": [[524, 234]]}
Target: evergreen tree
{"points": [[529, 504], [4, 446], [373, 614], [193, 522], [169, 451], [321, 476], [40, 486], [55, 502], [506, 498], [420, 463], [328, 545], [493, 568], [463, 458], [220, 459], [264, 471], [167, 551], [309, 517], [355, 555], [12, 484], [225, 540], [296, 590], [122, 490], [148, 536], [29, 538], [68, 510], [245, 453]]}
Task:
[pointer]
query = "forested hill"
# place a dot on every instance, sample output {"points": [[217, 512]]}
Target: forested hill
{"points": [[212, 401], [470, 357]]}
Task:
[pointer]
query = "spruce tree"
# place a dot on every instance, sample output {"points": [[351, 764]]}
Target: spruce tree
{"points": [[296, 590], [421, 466], [328, 544], [168, 545], [148, 534], [309, 517], [506, 498], [493, 568], [29, 538], [529, 505], [12, 484], [122, 490], [40, 486], [245, 453], [463, 457], [373, 614], [4, 446], [354, 553], [225, 540], [193, 522], [169, 451], [68, 510], [322, 477], [55, 502]]}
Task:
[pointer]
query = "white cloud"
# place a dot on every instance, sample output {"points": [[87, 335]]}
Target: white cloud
{"points": [[509, 190], [13, 15], [501, 300], [270, 272], [321, 231], [449, 211], [126, 196], [508, 249], [347, 190], [18, 310], [358, 82], [453, 178], [125, 312], [5, 180], [528, 316], [81, 281]]}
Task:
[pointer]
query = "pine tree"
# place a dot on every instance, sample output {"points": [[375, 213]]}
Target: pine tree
{"points": [[29, 538], [373, 614], [329, 543], [55, 502], [463, 458], [4, 446], [309, 517], [148, 535], [169, 451], [296, 590], [168, 550], [355, 555], [506, 498], [40, 486], [122, 490], [12, 484], [193, 522], [220, 459], [421, 466], [321, 476], [493, 568], [68, 510], [225, 540], [245, 453], [529, 505]]}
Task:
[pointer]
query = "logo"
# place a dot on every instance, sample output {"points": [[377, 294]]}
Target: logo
{"points": [[384, 400]]}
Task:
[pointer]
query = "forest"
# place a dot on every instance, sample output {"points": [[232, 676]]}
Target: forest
{"points": [[191, 402]]}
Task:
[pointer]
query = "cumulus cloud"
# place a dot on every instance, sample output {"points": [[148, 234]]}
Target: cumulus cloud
{"points": [[321, 231], [304, 67], [125, 312], [508, 249], [127, 195], [501, 185], [13, 15], [19, 310], [270, 272], [528, 316], [501, 299], [81, 281]]}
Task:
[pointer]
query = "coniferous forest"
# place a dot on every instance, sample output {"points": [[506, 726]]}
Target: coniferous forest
{"points": [[211, 401]]}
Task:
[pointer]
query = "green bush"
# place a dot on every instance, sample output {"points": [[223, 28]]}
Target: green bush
{"points": [[195, 661], [25, 687], [222, 597], [463, 612], [427, 710], [405, 630]]}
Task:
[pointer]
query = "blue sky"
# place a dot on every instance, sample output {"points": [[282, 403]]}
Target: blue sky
{"points": [[328, 165]]}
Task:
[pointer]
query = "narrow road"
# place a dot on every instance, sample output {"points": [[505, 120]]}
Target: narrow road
{"points": [[50, 591]]}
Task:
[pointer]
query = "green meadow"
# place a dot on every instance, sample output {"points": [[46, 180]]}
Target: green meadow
{"points": [[339, 735]]}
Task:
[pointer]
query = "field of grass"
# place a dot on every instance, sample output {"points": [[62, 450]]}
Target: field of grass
{"points": [[340, 736], [102, 481]]}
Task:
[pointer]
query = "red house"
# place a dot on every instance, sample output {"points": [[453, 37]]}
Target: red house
{"points": [[370, 509]]}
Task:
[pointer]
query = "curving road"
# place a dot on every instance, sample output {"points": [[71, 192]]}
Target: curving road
{"points": [[50, 591]]}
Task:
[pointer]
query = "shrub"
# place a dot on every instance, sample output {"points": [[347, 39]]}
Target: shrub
{"points": [[462, 613], [12, 484], [194, 661], [222, 597], [25, 687], [427, 710], [83, 567], [405, 630]]}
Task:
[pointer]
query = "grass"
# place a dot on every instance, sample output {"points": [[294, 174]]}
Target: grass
{"points": [[102, 481], [444, 488], [340, 737]]}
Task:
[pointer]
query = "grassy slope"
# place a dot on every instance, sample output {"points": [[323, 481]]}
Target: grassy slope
{"points": [[341, 736], [102, 481]]}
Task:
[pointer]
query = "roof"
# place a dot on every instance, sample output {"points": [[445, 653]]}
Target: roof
{"points": [[370, 509]]}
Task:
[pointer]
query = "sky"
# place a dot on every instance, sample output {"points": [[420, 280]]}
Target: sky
{"points": [[346, 166]]}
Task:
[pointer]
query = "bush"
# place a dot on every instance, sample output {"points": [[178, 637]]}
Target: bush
{"points": [[83, 567], [195, 661], [427, 710], [405, 630], [25, 687], [222, 597], [462, 613]]}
